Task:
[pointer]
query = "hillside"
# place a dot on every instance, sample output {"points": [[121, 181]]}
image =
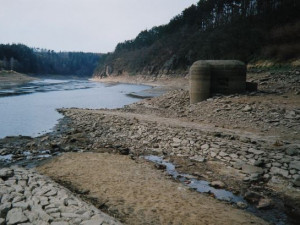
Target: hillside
{"points": [[248, 30], [23, 59]]}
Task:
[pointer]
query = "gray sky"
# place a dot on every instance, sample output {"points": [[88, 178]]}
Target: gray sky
{"points": [[82, 25]]}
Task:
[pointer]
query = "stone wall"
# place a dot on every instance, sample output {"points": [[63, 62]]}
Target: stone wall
{"points": [[30, 198]]}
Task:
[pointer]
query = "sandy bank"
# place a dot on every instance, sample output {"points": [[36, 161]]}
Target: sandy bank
{"points": [[164, 81], [12, 78], [139, 194]]}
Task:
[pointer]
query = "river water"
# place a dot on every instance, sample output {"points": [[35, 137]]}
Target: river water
{"points": [[30, 109]]}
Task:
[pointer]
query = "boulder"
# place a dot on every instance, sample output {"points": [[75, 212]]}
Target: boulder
{"points": [[295, 165], [6, 173], [197, 158], [265, 203], [252, 197], [217, 184], [249, 169], [296, 180], [279, 171], [16, 216]]}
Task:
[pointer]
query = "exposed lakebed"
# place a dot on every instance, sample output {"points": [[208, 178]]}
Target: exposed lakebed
{"points": [[30, 109]]}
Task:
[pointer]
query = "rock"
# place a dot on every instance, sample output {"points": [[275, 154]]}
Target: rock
{"points": [[15, 216], [124, 151], [176, 140], [254, 177], [93, 222], [51, 193], [252, 197], [32, 216], [255, 152], [249, 169], [254, 162], [18, 198], [23, 205], [70, 215], [213, 154], [296, 180], [223, 154], [238, 164], [198, 158], [59, 223], [279, 171], [276, 164], [55, 215], [6, 173], [52, 210], [265, 203], [290, 115], [295, 165], [292, 150], [247, 108], [242, 205], [2, 221], [160, 166], [4, 208], [205, 147], [217, 184], [42, 214], [69, 202]]}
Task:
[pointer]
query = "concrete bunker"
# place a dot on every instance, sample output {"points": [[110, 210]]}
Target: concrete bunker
{"points": [[209, 77]]}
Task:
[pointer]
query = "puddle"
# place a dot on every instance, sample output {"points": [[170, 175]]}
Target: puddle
{"points": [[201, 186], [274, 216]]}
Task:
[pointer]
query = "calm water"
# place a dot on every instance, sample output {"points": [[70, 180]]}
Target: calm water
{"points": [[30, 109]]}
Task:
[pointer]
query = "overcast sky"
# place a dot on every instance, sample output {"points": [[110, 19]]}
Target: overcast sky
{"points": [[82, 25]]}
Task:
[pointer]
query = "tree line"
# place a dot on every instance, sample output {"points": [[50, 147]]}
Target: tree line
{"points": [[213, 29], [23, 59]]}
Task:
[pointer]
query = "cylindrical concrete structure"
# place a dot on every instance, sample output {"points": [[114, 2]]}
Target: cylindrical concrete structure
{"points": [[200, 78], [228, 76], [216, 76]]}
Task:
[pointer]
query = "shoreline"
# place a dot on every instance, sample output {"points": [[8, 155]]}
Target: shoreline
{"points": [[158, 86], [9, 79], [163, 81]]}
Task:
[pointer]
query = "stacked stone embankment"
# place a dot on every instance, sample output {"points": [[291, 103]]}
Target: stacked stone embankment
{"points": [[257, 158], [30, 198]]}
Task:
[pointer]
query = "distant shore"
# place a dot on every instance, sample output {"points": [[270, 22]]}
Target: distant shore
{"points": [[165, 81], [160, 85], [9, 78]]}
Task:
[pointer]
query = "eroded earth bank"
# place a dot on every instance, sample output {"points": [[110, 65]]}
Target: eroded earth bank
{"points": [[240, 151]]}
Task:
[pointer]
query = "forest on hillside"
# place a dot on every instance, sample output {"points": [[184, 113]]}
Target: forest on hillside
{"points": [[20, 58], [246, 30]]}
